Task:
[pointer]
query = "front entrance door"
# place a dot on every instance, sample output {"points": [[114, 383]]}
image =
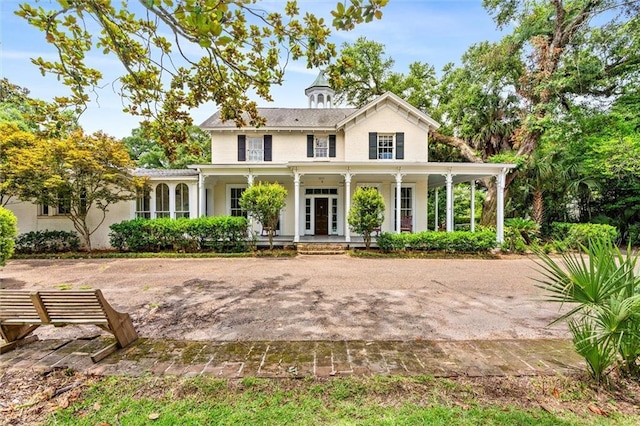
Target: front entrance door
{"points": [[322, 216]]}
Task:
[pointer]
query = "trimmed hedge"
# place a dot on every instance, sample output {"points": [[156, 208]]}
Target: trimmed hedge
{"points": [[576, 234], [8, 231], [223, 234], [37, 242], [458, 241]]}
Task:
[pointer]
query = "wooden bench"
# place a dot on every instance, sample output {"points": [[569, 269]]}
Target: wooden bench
{"points": [[22, 311]]}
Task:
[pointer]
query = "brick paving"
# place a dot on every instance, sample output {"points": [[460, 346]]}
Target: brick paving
{"points": [[281, 359]]}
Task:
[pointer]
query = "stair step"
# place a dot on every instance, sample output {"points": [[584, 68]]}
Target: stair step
{"points": [[327, 252]]}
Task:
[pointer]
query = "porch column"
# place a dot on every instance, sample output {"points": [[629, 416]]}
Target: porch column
{"points": [[172, 201], [296, 206], [501, 178], [250, 178], [202, 204], [347, 205], [473, 206], [435, 225], [398, 201], [152, 202], [252, 222], [449, 179]]}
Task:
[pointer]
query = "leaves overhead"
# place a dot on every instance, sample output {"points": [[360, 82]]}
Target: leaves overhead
{"points": [[179, 54]]}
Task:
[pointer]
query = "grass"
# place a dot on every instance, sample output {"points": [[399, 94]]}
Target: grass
{"points": [[308, 401]]}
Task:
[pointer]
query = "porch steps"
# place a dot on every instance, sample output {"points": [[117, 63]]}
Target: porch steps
{"points": [[321, 248]]}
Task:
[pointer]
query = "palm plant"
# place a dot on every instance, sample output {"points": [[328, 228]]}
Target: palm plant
{"points": [[601, 286]]}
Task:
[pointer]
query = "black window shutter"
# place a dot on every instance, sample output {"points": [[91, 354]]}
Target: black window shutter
{"points": [[332, 145], [242, 148], [267, 147], [373, 146], [400, 146], [309, 146]]}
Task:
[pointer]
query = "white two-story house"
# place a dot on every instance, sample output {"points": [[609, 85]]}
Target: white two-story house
{"points": [[321, 155]]}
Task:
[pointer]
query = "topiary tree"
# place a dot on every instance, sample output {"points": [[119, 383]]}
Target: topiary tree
{"points": [[263, 202], [366, 213], [8, 232]]}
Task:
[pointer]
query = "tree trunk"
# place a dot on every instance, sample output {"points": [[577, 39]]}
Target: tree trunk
{"points": [[537, 207], [490, 205]]}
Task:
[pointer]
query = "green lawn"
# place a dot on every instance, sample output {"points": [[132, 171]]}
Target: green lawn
{"points": [[375, 400]]}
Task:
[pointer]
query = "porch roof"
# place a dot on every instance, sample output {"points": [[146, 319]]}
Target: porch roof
{"points": [[462, 172]]}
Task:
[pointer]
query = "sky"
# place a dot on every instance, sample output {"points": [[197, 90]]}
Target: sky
{"points": [[432, 31]]}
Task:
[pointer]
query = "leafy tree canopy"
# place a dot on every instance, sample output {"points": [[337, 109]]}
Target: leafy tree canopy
{"points": [[78, 173], [148, 154], [239, 46]]}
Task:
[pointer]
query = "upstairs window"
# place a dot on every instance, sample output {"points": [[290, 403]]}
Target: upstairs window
{"points": [[254, 148], [386, 146], [321, 146]]}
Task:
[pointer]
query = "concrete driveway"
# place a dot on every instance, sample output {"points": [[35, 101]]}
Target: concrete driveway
{"points": [[307, 297]]}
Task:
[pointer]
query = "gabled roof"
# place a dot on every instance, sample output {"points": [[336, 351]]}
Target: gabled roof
{"points": [[393, 99], [303, 118]]}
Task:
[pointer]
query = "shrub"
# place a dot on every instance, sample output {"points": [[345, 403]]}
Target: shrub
{"points": [[388, 241], [458, 241], [36, 242], [8, 231], [633, 235], [576, 234], [366, 213], [602, 293], [221, 234]]}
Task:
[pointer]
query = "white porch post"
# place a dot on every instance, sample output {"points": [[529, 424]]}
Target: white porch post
{"points": [[347, 205], [252, 222], [435, 225], [473, 206], [449, 179], [501, 178], [296, 206], [202, 204], [172, 201], [398, 201], [152, 202]]}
